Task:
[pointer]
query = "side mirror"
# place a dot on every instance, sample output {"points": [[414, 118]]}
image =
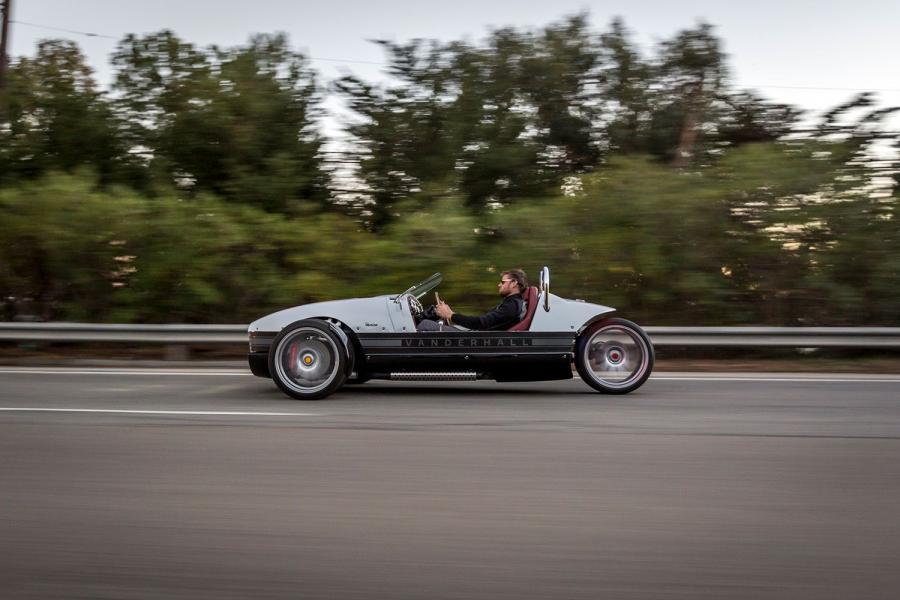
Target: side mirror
{"points": [[544, 287]]}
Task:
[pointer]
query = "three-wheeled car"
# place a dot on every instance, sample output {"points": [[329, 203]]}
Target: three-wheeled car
{"points": [[310, 351]]}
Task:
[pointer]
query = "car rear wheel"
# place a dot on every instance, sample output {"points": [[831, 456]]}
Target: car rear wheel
{"points": [[308, 360], [614, 356]]}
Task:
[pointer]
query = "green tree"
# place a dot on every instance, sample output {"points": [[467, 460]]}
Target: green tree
{"points": [[625, 81], [63, 247], [499, 122], [57, 118], [691, 73], [237, 122]]}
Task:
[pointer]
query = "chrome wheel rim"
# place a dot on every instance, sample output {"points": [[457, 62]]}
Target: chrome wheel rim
{"points": [[616, 356], [307, 360]]}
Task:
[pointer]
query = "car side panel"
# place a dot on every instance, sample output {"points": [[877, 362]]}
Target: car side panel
{"points": [[566, 315], [363, 315], [499, 355], [466, 344]]}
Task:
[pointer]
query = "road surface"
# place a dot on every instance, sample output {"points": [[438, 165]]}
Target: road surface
{"points": [[174, 484]]}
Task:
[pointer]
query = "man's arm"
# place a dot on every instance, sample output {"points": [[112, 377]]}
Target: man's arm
{"points": [[506, 314]]}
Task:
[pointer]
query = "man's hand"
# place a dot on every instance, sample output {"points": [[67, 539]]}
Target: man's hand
{"points": [[443, 310]]}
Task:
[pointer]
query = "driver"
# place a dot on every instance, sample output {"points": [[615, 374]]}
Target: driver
{"points": [[510, 311]]}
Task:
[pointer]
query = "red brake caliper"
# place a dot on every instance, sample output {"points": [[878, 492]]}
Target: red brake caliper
{"points": [[292, 357]]}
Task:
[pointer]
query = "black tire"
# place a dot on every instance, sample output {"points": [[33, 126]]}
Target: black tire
{"points": [[614, 356], [308, 360]]}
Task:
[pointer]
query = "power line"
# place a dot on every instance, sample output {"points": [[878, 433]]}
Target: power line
{"points": [[341, 60], [835, 89], [84, 33], [384, 64], [110, 37]]}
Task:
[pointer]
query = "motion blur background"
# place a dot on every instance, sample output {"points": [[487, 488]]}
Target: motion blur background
{"points": [[213, 161], [690, 163]]}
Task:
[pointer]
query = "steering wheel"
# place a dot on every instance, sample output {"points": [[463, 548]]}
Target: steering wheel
{"points": [[415, 307]]}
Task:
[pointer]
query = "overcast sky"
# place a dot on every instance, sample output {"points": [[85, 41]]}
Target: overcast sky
{"points": [[811, 53]]}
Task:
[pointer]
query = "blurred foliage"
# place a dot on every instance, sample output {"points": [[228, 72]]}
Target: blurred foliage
{"points": [[238, 122], [80, 254], [55, 117], [507, 121], [752, 240], [198, 190], [498, 123]]}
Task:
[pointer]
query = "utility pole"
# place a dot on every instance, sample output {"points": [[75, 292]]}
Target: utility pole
{"points": [[4, 36]]}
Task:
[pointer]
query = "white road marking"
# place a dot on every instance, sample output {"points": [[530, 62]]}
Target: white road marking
{"points": [[804, 378], [662, 376], [113, 371], [879, 379], [160, 412]]}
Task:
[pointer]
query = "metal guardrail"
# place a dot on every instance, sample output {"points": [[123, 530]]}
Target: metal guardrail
{"points": [[795, 337], [105, 332], [792, 337]]}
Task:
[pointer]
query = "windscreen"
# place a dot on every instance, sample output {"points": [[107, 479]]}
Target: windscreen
{"points": [[423, 287]]}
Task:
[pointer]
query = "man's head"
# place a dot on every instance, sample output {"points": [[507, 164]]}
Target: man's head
{"points": [[513, 281]]}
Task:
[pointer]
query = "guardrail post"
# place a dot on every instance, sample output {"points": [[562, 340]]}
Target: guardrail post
{"points": [[177, 352]]}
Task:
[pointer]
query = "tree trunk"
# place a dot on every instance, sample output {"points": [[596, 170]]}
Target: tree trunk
{"points": [[688, 139]]}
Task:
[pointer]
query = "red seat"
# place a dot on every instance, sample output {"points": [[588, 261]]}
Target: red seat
{"points": [[531, 297]]}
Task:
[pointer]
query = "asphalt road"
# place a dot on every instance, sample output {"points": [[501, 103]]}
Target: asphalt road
{"points": [[130, 484]]}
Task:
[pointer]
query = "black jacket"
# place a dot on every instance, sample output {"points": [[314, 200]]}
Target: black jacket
{"points": [[503, 316]]}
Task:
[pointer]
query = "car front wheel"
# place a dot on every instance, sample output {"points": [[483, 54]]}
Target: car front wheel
{"points": [[308, 360], [614, 356]]}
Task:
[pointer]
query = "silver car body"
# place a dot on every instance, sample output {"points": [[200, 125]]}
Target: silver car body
{"points": [[388, 314]]}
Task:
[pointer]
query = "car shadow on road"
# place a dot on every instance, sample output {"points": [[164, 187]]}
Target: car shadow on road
{"points": [[458, 390], [401, 390]]}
